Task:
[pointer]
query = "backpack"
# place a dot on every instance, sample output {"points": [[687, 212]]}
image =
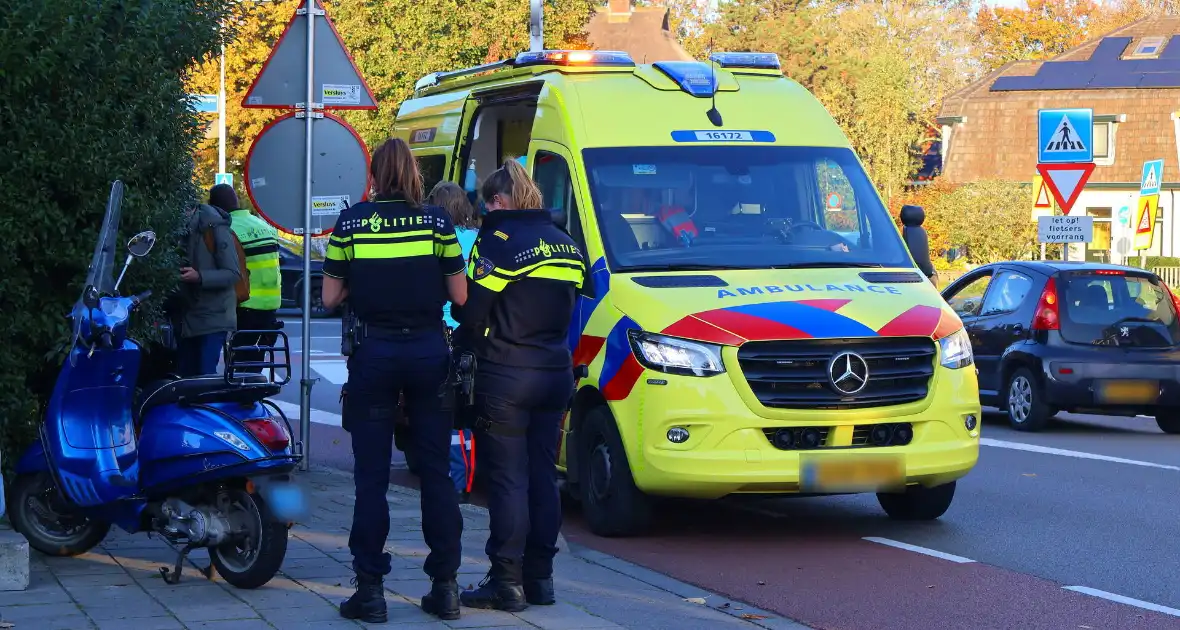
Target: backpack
{"points": [[242, 288]]}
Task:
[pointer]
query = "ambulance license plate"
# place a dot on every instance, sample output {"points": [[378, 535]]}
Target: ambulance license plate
{"points": [[852, 473], [1127, 392]]}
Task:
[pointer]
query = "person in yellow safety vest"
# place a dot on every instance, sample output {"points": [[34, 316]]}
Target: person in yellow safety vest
{"points": [[261, 246]]}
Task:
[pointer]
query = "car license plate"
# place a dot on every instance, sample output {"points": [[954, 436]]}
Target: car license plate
{"points": [[846, 473], [1127, 392]]}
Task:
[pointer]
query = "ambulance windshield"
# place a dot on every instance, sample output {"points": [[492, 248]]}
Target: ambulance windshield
{"points": [[726, 207]]}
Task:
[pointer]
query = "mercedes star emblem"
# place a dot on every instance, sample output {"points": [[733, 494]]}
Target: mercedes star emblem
{"points": [[848, 372]]}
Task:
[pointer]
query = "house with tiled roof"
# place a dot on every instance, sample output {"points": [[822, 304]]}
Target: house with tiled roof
{"points": [[1131, 79], [641, 32]]}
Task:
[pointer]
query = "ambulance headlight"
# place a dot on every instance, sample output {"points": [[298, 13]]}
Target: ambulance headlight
{"points": [[955, 350], [676, 356]]}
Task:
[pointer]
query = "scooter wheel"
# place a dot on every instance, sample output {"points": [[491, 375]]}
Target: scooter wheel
{"points": [[252, 562], [50, 524]]}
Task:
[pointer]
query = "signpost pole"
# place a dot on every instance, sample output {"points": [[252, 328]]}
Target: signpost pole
{"points": [[221, 117], [305, 382]]}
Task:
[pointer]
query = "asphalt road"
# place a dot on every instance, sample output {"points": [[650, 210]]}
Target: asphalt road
{"points": [[1089, 504]]}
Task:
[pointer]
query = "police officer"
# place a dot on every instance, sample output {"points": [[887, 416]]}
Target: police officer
{"points": [[398, 262], [522, 279], [261, 247]]}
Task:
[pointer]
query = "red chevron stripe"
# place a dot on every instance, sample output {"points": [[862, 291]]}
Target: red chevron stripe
{"points": [[692, 328], [830, 304], [919, 321], [624, 380], [751, 327]]}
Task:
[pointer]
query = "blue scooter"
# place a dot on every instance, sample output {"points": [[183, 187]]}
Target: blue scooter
{"points": [[204, 462]]}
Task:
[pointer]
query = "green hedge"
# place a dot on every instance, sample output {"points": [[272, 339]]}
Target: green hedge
{"points": [[90, 91], [1154, 261]]}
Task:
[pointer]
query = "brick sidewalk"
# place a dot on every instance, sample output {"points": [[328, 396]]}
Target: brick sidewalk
{"points": [[118, 585]]}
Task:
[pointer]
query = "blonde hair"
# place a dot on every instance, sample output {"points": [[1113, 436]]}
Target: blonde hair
{"points": [[395, 171], [512, 181], [450, 197]]}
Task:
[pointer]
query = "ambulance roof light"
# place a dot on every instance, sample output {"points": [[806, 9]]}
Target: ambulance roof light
{"points": [[574, 58], [767, 61]]}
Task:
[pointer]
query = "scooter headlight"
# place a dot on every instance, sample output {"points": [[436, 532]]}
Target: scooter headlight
{"points": [[955, 350], [676, 356]]}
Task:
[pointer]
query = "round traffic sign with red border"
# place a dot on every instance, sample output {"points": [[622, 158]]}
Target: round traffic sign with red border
{"points": [[275, 167]]}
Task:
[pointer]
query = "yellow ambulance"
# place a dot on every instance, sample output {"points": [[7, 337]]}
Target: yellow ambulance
{"points": [[752, 322]]}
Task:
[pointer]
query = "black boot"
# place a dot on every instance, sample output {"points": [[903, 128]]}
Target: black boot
{"points": [[368, 603], [539, 591], [501, 589], [443, 599], [538, 581]]}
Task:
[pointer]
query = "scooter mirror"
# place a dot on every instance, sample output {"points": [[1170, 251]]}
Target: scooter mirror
{"points": [[141, 244]]}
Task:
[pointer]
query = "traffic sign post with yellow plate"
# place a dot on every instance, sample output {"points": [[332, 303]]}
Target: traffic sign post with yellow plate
{"points": [[1145, 221], [1042, 199], [1149, 204]]}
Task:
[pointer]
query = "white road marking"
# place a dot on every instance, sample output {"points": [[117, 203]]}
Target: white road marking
{"points": [[923, 550], [335, 372], [1049, 450], [1138, 603], [318, 416]]}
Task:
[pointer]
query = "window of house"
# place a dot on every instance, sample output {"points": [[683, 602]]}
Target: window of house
{"points": [[1147, 48], [1103, 140]]}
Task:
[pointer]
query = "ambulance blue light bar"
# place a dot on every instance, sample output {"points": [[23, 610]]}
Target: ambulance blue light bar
{"points": [[767, 61], [574, 58]]}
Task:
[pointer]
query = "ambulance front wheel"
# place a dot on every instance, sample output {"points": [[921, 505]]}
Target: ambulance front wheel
{"points": [[613, 506]]}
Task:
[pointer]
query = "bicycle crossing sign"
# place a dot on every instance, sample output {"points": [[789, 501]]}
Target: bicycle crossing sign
{"points": [[1065, 136]]}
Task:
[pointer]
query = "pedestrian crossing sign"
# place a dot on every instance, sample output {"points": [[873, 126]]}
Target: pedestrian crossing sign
{"points": [[1153, 172], [1145, 221], [1065, 136]]}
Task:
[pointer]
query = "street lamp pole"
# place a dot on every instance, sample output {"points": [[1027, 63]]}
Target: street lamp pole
{"points": [[221, 117]]}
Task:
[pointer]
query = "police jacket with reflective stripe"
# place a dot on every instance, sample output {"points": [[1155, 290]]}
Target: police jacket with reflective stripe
{"points": [[262, 260], [522, 282], [394, 256]]}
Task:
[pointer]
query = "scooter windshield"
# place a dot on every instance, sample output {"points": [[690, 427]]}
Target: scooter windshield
{"points": [[100, 278]]}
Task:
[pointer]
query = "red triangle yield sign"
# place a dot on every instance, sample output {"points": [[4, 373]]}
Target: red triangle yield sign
{"points": [[282, 80], [1066, 181]]}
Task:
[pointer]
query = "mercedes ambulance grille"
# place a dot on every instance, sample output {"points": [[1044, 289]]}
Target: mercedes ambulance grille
{"points": [[798, 374]]}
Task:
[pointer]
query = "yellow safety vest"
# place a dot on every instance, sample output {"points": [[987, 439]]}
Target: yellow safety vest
{"points": [[262, 259]]}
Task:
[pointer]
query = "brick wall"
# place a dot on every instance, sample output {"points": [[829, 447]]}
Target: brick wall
{"points": [[999, 138]]}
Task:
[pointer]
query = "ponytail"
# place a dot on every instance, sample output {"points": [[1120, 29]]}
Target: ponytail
{"points": [[511, 180]]}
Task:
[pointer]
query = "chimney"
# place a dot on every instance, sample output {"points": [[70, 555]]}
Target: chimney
{"points": [[621, 8]]}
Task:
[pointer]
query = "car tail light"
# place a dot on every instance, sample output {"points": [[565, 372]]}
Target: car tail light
{"points": [[1048, 315], [1175, 298], [270, 432], [1110, 272]]}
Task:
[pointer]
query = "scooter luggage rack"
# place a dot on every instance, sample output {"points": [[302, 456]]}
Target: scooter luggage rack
{"points": [[275, 357]]}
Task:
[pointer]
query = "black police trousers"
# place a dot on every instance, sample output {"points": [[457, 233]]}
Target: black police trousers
{"points": [[520, 413], [383, 366]]}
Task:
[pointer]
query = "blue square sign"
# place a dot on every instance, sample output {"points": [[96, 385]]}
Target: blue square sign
{"points": [[224, 178], [1065, 136], [1153, 174]]}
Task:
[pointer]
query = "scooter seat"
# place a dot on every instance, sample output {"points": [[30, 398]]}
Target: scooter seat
{"points": [[206, 389]]}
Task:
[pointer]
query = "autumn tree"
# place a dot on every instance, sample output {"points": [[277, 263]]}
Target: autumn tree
{"points": [[991, 219], [1043, 29]]}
